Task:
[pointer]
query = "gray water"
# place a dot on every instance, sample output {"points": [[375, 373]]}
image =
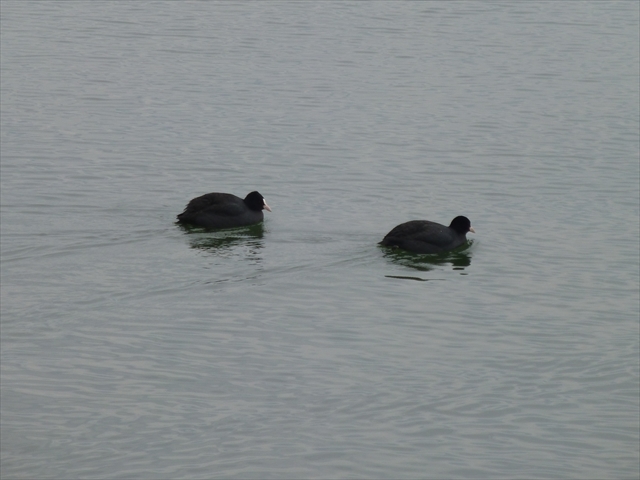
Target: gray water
{"points": [[133, 348]]}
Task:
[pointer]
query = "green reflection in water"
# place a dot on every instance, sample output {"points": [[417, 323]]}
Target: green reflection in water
{"points": [[217, 241], [459, 259]]}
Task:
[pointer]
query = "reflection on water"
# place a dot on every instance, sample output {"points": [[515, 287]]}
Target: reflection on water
{"points": [[405, 277], [220, 241], [459, 259]]}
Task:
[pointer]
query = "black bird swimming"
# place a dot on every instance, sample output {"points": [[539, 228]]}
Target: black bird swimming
{"points": [[224, 210], [423, 236]]}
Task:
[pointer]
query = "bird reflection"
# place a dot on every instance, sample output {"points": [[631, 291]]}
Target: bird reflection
{"points": [[459, 259], [222, 242]]}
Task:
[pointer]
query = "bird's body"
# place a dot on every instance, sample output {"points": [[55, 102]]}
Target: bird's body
{"points": [[424, 236], [224, 210]]}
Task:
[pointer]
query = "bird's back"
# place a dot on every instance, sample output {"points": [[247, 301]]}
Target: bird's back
{"points": [[422, 236], [219, 210]]}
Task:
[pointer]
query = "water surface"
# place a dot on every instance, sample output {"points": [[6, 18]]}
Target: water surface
{"points": [[133, 348]]}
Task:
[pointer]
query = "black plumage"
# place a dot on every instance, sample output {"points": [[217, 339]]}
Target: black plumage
{"points": [[423, 236], [224, 210]]}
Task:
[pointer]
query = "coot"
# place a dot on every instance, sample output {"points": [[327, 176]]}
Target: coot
{"points": [[224, 210], [423, 236]]}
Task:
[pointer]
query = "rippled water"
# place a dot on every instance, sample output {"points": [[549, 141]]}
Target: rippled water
{"points": [[133, 348]]}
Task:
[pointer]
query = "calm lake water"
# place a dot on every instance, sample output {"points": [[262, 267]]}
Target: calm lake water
{"points": [[133, 348]]}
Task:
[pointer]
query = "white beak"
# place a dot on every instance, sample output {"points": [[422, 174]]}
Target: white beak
{"points": [[472, 230], [266, 207]]}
